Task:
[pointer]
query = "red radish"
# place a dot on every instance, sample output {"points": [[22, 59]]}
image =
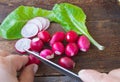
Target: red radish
{"points": [[29, 30], [36, 22], [43, 21], [58, 48], [47, 53], [71, 49], [22, 44], [83, 43], [67, 63], [33, 60], [44, 36], [36, 44], [71, 36], [57, 37]]}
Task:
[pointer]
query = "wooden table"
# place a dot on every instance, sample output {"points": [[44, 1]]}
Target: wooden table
{"points": [[103, 22]]}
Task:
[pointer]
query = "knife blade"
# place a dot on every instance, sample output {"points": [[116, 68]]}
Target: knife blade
{"points": [[55, 66]]}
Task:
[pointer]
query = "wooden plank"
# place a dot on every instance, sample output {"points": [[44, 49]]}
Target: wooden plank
{"points": [[54, 79], [103, 19]]}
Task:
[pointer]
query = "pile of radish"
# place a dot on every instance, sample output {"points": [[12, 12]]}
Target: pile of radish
{"points": [[60, 43]]}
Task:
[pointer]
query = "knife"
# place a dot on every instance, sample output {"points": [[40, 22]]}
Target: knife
{"points": [[56, 66]]}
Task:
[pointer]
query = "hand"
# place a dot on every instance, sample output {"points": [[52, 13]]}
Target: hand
{"points": [[10, 64], [95, 76]]}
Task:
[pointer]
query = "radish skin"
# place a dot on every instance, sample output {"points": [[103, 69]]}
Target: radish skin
{"points": [[71, 49], [36, 44], [57, 37], [66, 62], [47, 53], [33, 60], [71, 36], [83, 43], [58, 48], [44, 36]]}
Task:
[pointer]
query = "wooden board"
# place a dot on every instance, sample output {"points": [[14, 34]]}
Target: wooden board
{"points": [[103, 23]]}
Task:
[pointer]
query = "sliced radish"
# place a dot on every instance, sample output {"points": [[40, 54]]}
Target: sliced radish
{"points": [[47, 53], [36, 44], [22, 44], [43, 21], [66, 62], [36, 22], [58, 48], [29, 30], [47, 24]]}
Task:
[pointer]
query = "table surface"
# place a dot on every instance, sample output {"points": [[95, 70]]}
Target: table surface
{"points": [[103, 23]]}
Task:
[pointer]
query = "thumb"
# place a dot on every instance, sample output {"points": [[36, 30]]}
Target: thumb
{"points": [[28, 73], [95, 76]]}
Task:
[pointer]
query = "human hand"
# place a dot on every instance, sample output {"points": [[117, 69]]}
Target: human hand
{"points": [[89, 75], [10, 64]]}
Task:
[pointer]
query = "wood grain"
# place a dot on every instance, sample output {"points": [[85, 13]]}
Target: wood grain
{"points": [[103, 22]]}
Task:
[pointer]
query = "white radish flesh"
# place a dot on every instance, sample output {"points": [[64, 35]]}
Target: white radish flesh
{"points": [[36, 22], [47, 24], [43, 21], [22, 44], [29, 30]]}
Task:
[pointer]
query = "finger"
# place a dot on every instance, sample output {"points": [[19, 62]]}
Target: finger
{"points": [[17, 61], [28, 73], [3, 53], [95, 76], [115, 73]]}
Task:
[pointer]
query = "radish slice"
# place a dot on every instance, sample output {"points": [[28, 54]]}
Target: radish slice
{"points": [[22, 44], [29, 30], [43, 21], [36, 22], [47, 24]]}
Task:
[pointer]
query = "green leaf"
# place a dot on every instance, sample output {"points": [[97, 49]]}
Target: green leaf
{"points": [[13, 23], [72, 17]]}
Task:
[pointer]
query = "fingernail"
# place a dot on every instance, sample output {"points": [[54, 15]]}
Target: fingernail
{"points": [[35, 68], [81, 71]]}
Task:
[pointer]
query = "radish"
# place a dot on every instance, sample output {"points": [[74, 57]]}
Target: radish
{"points": [[47, 53], [29, 30], [83, 43], [33, 60], [66, 62], [71, 36], [44, 36], [71, 49], [36, 44], [36, 22], [22, 44], [57, 37], [58, 48], [45, 22]]}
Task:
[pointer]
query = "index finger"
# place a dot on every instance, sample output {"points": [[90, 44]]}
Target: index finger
{"points": [[17, 61], [3, 53]]}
